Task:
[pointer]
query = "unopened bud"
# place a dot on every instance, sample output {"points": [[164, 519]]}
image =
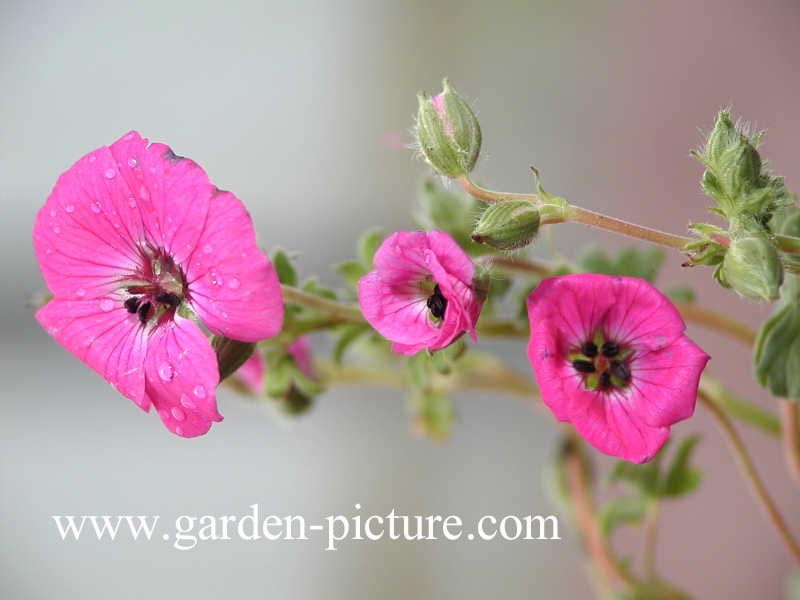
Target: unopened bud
{"points": [[752, 267], [448, 132], [507, 225]]}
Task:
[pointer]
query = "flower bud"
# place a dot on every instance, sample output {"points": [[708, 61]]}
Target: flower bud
{"points": [[722, 138], [448, 132], [752, 267], [507, 225], [231, 354]]}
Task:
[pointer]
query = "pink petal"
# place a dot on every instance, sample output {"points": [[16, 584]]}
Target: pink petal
{"points": [[666, 382], [300, 351], [251, 374], [86, 236], [452, 258], [109, 341], [232, 286], [182, 376], [608, 423], [171, 193], [401, 257]]}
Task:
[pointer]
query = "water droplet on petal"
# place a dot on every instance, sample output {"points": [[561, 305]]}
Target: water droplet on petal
{"points": [[110, 173], [132, 162], [208, 249], [178, 413], [106, 304], [132, 202], [56, 229], [52, 212], [187, 403], [96, 208], [234, 283], [215, 278], [144, 193], [166, 372], [179, 430], [48, 251], [80, 292], [200, 391], [70, 208], [163, 413], [92, 158]]}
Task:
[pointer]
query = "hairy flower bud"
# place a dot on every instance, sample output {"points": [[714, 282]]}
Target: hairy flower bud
{"points": [[448, 132], [752, 267], [507, 225]]}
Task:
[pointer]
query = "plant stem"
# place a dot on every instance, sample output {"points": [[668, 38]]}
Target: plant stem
{"points": [[586, 518], [739, 409], [749, 472], [650, 535], [790, 432], [344, 313], [581, 215], [717, 321], [786, 243]]}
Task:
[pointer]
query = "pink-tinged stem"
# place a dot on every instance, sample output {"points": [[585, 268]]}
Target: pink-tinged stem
{"points": [[581, 215], [749, 472], [790, 434]]}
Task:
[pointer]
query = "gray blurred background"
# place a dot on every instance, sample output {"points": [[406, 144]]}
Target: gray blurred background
{"points": [[301, 109]]}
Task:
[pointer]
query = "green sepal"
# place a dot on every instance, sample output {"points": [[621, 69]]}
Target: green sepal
{"points": [[284, 268], [231, 354]]}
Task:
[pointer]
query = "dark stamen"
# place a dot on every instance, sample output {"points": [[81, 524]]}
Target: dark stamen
{"points": [[583, 366], [132, 304], [144, 309], [168, 298], [605, 380], [620, 370], [610, 349], [437, 303], [589, 349]]}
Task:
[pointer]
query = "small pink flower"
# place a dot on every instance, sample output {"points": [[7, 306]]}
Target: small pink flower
{"points": [[251, 373], [131, 239], [610, 356], [421, 294]]}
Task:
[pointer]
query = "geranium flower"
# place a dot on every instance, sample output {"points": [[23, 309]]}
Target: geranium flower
{"points": [[421, 293], [610, 356], [133, 242], [251, 374]]}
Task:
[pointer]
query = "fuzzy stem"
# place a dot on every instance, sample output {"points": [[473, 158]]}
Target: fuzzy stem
{"points": [[586, 518], [790, 432], [739, 409], [716, 321], [749, 472], [577, 214], [344, 313]]}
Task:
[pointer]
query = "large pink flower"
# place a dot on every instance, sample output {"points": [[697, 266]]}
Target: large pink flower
{"points": [[134, 239], [421, 293], [610, 356]]}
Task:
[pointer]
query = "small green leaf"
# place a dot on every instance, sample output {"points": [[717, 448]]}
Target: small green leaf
{"points": [[312, 286], [777, 352], [368, 245], [351, 270], [793, 586], [284, 269], [680, 293], [434, 414], [643, 478], [680, 478], [419, 370], [627, 510], [347, 334], [632, 262]]}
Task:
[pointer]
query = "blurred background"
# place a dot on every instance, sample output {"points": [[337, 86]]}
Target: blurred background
{"points": [[302, 109]]}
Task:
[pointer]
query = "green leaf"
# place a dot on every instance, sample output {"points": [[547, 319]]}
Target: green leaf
{"points": [[347, 334], [419, 370], [680, 293], [680, 478], [632, 262], [644, 478], [455, 214], [352, 271], [777, 352], [368, 245], [793, 586], [284, 268], [627, 510], [312, 286], [434, 414]]}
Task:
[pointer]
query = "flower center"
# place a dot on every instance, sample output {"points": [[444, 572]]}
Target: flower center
{"points": [[158, 289], [437, 303], [602, 364]]}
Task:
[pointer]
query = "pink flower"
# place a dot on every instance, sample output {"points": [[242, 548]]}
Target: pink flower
{"points": [[251, 373], [421, 294], [131, 241], [610, 356]]}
